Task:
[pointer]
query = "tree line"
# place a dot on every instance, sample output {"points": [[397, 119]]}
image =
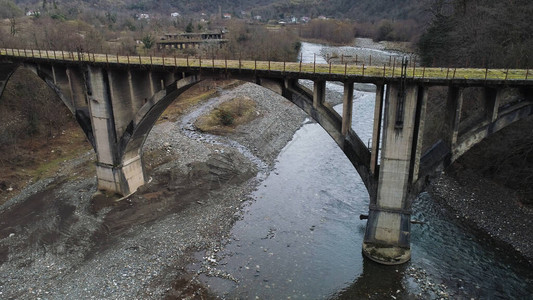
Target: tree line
{"points": [[479, 33]]}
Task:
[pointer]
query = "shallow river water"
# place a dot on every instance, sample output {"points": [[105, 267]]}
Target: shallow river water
{"points": [[301, 237]]}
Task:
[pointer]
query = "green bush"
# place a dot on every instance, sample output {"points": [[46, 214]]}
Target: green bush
{"points": [[225, 117]]}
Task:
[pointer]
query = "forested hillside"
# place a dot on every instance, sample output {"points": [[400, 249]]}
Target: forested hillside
{"points": [[481, 33], [361, 10]]}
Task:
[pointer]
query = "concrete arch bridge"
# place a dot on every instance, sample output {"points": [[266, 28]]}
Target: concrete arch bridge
{"points": [[117, 100]]}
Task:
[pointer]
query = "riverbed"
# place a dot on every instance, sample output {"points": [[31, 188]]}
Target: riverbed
{"points": [[301, 236]]}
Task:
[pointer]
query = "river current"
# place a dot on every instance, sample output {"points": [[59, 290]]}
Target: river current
{"points": [[301, 237]]}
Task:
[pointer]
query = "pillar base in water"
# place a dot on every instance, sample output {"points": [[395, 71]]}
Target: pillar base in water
{"points": [[387, 255]]}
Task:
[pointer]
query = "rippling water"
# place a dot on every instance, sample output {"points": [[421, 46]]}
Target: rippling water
{"points": [[301, 238]]}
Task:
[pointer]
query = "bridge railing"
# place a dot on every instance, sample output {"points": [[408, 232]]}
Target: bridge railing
{"points": [[386, 71]]}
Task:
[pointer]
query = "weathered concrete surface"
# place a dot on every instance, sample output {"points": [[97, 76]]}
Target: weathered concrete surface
{"points": [[387, 237]]}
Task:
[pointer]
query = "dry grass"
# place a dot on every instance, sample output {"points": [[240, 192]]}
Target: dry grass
{"points": [[196, 94], [227, 116]]}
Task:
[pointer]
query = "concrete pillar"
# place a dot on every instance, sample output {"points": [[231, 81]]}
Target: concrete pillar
{"points": [[387, 236], [492, 103], [419, 130], [376, 133], [454, 107], [319, 94], [347, 108], [113, 174]]}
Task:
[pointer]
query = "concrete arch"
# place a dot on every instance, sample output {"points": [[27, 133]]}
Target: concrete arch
{"points": [[313, 103], [137, 131], [54, 80]]}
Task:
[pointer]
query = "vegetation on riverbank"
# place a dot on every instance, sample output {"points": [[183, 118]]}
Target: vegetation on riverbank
{"points": [[228, 115], [37, 133]]}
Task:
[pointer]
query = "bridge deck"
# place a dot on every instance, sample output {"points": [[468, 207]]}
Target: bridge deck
{"points": [[360, 73]]}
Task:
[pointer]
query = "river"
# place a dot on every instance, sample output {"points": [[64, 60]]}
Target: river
{"points": [[301, 237]]}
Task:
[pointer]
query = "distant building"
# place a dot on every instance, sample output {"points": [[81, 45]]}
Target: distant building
{"points": [[322, 18], [258, 18], [143, 16], [305, 19], [226, 16], [192, 40], [33, 13], [175, 14]]}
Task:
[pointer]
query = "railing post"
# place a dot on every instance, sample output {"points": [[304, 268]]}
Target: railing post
{"points": [[151, 61], [175, 62], [314, 63], [414, 66], [32, 55], [187, 61], [330, 67], [345, 68], [284, 67], [63, 54], [527, 73], [140, 61], [106, 59], [393, 66], [385, 65], [163, 57], [363, 73], [118, 62]]}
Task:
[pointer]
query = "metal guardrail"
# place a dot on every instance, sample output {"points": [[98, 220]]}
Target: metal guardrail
{"points": [[385, 71]]}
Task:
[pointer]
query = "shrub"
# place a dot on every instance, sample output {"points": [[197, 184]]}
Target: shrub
{"points": [[225, 117]]}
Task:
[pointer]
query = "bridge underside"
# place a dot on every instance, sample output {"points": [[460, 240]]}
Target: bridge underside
{"points": [[118, 105]]}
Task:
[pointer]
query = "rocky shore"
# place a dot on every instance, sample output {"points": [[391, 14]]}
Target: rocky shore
{"points": [[58, 241], [475, 194]]}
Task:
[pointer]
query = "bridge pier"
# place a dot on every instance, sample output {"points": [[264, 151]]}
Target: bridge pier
{"points": [[113, 174], [387, 236]]}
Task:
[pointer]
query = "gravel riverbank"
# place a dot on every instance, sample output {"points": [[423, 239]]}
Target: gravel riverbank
{"points": [[473, 191], [55, 242]]}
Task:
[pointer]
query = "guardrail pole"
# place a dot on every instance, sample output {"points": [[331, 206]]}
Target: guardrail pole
{"points": [[314, 62]]}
